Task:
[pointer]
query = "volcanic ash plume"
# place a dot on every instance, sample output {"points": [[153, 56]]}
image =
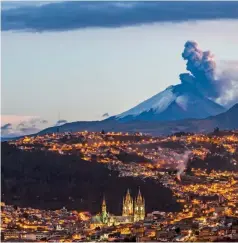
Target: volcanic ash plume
{"points": [[203, 75]]}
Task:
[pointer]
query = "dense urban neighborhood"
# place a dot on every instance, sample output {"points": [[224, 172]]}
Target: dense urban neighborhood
{"points": [[195, 176]]}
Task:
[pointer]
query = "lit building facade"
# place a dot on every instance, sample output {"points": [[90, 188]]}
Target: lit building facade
{"points": [[139, 208], [127, 207], [132, 211]]}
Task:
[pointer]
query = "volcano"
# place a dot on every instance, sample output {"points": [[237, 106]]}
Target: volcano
{"points": [[177, 102]]}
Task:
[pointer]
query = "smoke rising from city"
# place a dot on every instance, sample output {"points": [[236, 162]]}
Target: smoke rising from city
{"points": [[182, 163], [174, 160]]}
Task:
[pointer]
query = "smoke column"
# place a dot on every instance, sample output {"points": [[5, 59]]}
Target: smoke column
{"points": [[183, 161], [174, 160], [204, 77]]}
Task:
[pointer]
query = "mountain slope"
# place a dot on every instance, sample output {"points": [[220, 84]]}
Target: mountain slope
{"points": [[175, 103], [227, 120]]}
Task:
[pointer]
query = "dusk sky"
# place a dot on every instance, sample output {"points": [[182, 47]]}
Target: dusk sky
{"points": [[85, 70]]}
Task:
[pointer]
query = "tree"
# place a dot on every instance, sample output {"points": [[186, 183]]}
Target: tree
{"points": [[177, 230], [133, 239], [94, 158], [25, 215], [216, 130], [189, 170], [2, 236]]}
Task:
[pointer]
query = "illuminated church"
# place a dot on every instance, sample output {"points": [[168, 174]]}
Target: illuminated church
{"points": [[132, 211], [134, 208]]}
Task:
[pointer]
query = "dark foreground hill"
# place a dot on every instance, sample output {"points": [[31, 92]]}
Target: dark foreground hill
{"points": [[48, 180]]}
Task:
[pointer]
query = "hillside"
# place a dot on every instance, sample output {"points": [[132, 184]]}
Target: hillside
{"points": [[48, 180]]}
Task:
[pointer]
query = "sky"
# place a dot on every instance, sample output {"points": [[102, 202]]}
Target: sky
{"points": [[64, 62]]}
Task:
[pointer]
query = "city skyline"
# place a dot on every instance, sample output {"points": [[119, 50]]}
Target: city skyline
{"points": [[175, 196]]}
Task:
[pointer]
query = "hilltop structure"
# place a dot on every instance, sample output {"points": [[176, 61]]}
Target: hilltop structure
{"points": [[132, 211]]}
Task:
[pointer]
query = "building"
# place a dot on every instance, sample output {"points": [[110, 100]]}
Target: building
{"points": [[104, 214], [11, 235], [134, 208], [139, 208], [132, 211], [127, 208], [34, 236]]}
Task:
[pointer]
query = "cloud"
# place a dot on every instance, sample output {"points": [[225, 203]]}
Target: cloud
{"points": [[62, 16], [43, 121], [29, 130], [38, 120], [6, 126], [17, 4], [228, 72], [105, 115], [60, 122], [15, 119], [21, 125], [33, 122]]}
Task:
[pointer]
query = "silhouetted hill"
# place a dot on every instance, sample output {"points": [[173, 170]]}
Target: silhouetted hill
{"points": [[227, 119], [49, 180]]}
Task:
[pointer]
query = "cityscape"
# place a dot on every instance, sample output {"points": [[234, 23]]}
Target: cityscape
{"points": [[119, 121], [208, 197]]}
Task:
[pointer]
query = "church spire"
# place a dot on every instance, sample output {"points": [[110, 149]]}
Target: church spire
{"points": [[104, 214], [139, 207], [104, 206], [128, 197], [127, 204], [128, 194], [139, 198], [139, 194]]}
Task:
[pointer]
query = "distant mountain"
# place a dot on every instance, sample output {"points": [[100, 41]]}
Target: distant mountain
{"points": [[227, 120], [177, 102], [5, 139]]}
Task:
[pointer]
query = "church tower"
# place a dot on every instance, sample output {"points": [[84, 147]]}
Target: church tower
{"points": [[104, 214], [127, 209], [104, 206], [139, 208]]}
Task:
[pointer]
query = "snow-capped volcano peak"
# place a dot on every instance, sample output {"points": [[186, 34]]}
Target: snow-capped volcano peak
{"points": [[190, 99], [174, 103], [158, 103]]}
